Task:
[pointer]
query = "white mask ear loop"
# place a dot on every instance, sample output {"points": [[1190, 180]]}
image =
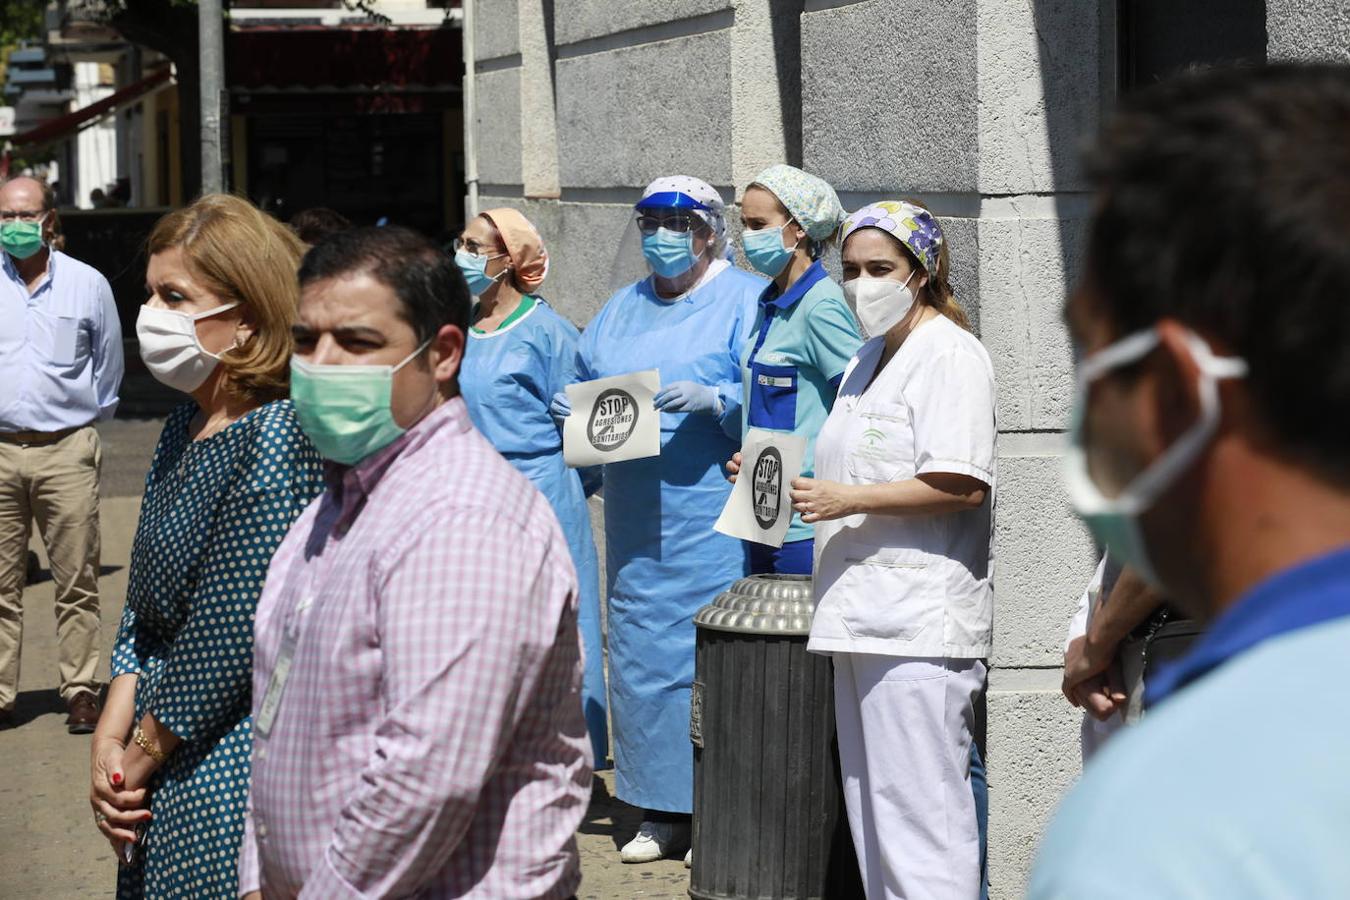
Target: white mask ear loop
{"points": [[196, 317], [409, 358], [1159, 474], [211, 312]]}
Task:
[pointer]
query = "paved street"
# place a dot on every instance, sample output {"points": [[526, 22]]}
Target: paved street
{"points": [[50, 850]]}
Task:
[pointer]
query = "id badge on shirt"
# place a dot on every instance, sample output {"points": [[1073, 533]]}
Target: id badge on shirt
{"points": [[290, 639]]}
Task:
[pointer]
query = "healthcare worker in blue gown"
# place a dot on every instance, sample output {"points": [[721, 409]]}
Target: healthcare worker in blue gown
{"points": [[520, 352], [664, 561]]}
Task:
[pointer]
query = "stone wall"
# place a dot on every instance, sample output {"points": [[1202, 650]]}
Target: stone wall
{"points": [[977, 107]]}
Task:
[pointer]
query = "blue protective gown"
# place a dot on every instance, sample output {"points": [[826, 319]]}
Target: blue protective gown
{"points": [[664, 561], [508, 378]]}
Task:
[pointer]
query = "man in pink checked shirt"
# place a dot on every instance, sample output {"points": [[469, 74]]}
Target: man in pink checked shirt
{"points": [[418, 727]]}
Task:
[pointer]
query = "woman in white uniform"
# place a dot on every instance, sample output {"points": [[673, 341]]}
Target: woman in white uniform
{"points": [[903, 499]]}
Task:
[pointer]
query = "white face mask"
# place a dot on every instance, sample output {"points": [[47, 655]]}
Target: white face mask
{"points": [[1114, 521], [879, 302], [170, 348]]}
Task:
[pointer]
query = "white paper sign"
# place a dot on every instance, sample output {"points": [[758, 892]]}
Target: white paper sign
{"points": [[612, 420], [760, 506]]}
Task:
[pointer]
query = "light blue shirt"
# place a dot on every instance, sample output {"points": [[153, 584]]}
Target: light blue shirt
{"points": [[1235, 786], [60, 348]]}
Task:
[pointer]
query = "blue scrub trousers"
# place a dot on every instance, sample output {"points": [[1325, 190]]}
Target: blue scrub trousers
{"points": [[979, 786], [793, 558]]}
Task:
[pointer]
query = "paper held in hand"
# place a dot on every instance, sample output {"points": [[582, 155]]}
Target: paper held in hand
{"points": [[612, 420], [760, 508]]}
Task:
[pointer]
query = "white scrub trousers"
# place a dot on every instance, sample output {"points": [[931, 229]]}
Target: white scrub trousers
{"points": [[904, 727]]}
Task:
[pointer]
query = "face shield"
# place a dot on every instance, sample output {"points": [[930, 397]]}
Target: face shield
{"points": [[669, 235]]}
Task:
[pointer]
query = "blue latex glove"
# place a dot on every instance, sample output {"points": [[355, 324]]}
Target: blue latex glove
{"points": [[688, 397], [560, 408]]}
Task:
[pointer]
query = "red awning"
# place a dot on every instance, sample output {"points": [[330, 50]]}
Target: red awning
{"points": [[69, 123], [344, 58]]}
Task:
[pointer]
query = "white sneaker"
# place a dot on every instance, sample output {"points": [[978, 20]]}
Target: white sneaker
{"points": [[689, 858], [655, 840]]}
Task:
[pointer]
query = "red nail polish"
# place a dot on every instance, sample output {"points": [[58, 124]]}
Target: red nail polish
{"points": [[117, 778]]}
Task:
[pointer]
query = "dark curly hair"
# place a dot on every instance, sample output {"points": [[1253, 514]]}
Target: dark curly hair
{"points": [[1224, 202]]}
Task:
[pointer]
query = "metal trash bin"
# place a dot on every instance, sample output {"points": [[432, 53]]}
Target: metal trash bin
{"points": [[769, 816]]}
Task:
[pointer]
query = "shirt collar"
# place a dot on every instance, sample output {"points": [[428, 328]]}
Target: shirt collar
{"points": [[1305, 595], [13, 271], [351, 486], [796, 291]]}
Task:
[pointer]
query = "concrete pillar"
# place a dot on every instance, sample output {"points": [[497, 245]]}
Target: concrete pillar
{"points": [[538, 125], [765, 111]]}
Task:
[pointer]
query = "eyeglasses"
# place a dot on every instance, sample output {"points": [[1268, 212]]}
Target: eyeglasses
{"points": [[680, 223], [477, 249], [22, 215]]}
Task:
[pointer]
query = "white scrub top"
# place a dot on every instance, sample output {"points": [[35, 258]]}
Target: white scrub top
{"points": [[909, 585]]}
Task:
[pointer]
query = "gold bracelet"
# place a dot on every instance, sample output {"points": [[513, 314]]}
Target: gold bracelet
{"points": [[140, 739]]}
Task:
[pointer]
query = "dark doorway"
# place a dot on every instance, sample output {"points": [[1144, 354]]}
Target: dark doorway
{"points": [[367, 167], [1162, 37]]}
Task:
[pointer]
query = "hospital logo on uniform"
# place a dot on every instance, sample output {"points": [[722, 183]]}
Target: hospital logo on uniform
{"points": [[768, 485], [613, 419]]}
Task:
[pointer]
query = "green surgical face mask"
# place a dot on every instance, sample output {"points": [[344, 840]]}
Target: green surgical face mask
{"points": [[344, 410], [21, 239]]}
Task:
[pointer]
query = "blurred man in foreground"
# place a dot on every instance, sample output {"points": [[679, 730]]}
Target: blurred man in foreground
{"points": [[1213, 457]]}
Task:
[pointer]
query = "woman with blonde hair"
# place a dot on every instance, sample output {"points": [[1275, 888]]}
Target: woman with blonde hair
{"points": [[171, 754]]}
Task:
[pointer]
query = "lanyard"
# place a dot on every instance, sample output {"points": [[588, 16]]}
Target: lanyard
{"points": [[281, 672]]}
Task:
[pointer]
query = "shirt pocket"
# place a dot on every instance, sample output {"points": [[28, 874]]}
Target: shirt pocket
{"points": [[881, 447], [60, 339], [888, 593], [773, 397]]}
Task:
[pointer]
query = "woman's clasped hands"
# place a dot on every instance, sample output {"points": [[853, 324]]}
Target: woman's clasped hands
{"points": [[117, 809]]}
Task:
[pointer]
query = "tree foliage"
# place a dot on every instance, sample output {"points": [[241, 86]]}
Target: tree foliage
{"points": [[20, 20]]}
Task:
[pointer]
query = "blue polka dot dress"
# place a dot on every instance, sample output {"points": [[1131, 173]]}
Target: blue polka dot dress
{"points": [[214, 512]]}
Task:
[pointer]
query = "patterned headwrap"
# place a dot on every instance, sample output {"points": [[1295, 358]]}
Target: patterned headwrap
{"points": [[712, 207], [911, 225], [523, 245], [808, 199]]}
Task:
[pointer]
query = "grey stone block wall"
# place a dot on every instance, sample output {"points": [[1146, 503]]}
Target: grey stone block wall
{"points": [[628, 115], [1308, 30], [978, 107], [499, 153], [889, 95], [1040, 89], [495, 29], [580, 20], [1030, 769], [1025, 268], [1044, 559]]}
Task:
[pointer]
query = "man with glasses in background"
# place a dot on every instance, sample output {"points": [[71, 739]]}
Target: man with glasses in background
{"points": [[60, 370]]}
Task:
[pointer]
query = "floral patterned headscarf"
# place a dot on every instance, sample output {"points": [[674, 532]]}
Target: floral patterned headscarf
{"points": [[911, 225]]}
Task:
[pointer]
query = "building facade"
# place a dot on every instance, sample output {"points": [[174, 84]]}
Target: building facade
{"points": [[977, 107]]}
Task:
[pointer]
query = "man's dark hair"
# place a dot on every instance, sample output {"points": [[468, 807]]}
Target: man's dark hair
{"points": [[1224, 202], [316, 223], [428, 284]]}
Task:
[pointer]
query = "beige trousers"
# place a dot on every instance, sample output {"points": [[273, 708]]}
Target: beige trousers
{"points": [[56, 486]]}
